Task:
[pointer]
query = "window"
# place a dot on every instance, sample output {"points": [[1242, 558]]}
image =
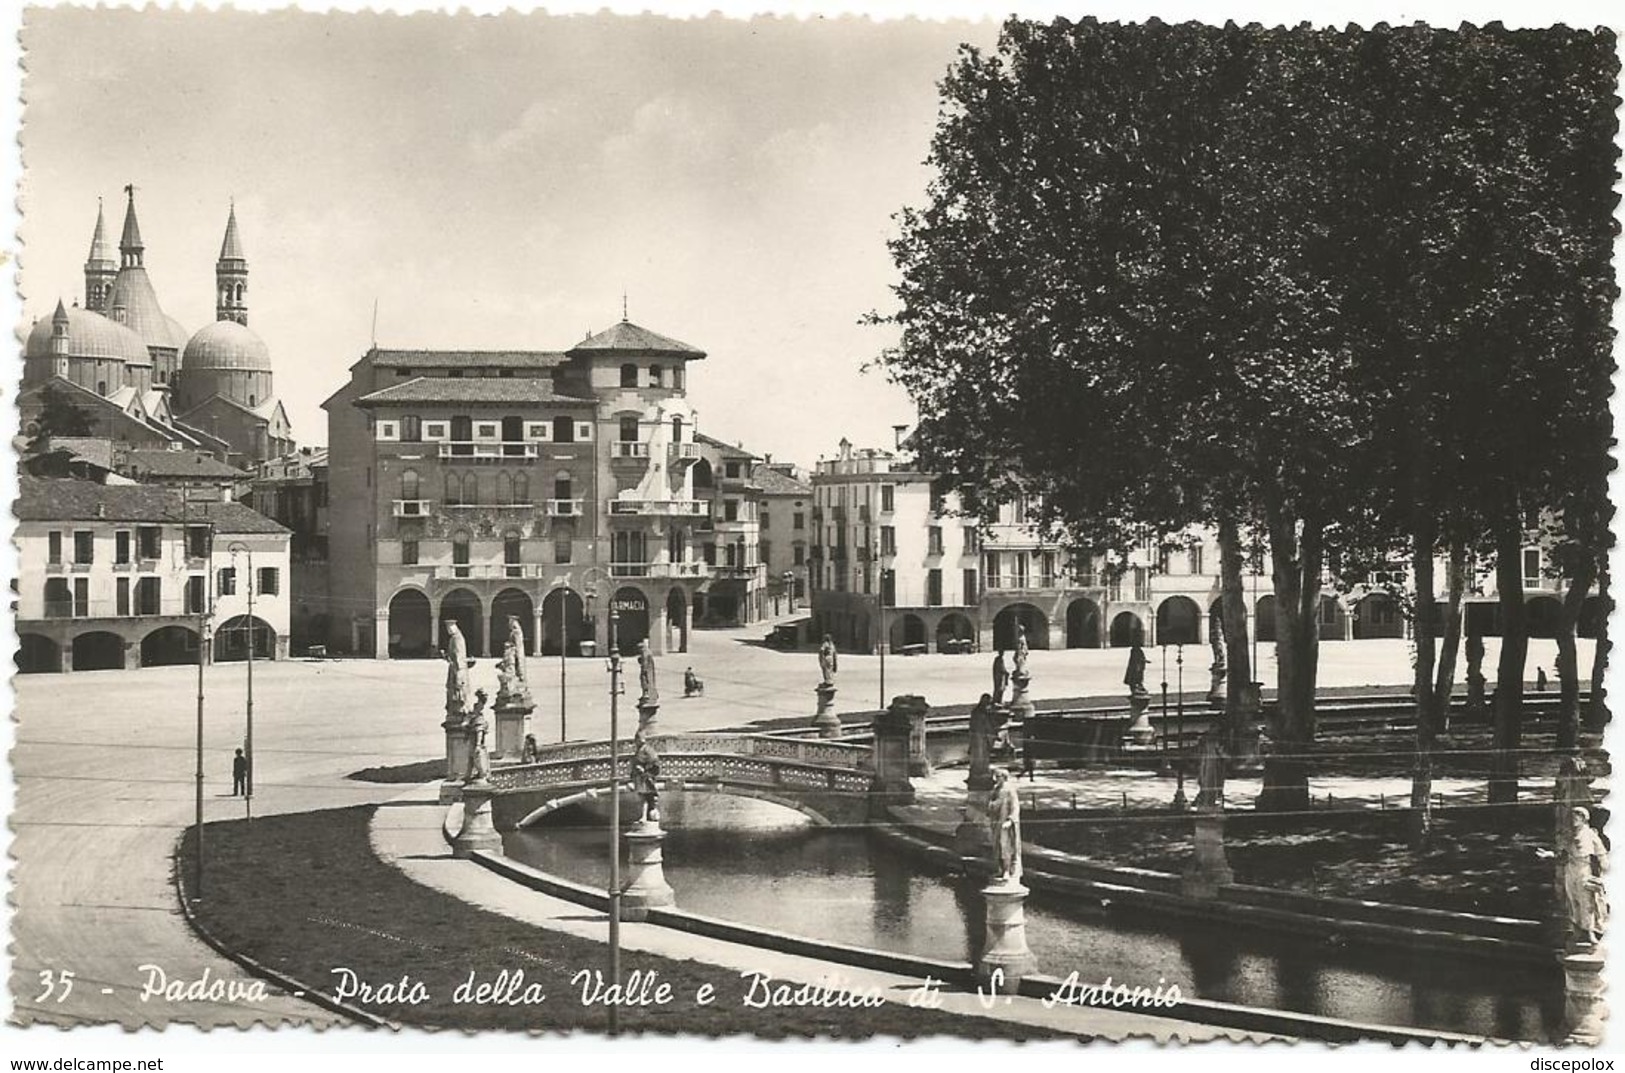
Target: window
{"points": [[888, 540], [409, 553], [561, 544], [121, 596], [629, 430], [766, 551], [227, 582], [1163, 553], [708, 552], [454, 489], [1195, 556], [409, 485], [992, 568], [564, 430], [1142, 584], [53, 547], [629, 375], [147, 540], [81, 597], [798, 520], [934, 539], [486, 432], [58, 598], [973, 543], [730, 510], [888, 498], [197, 541], [1046, 564], [1021, 579], [149, 593], [933, 588], [798, 554], [459, 555], [194, 594], [888, 587], [677, 378], [268, 581], [764, 520], [657, 376], [121, 546], [411, 430], [561, 486], [1531, 568], [510, 548], [968, 582], [730, 470], [434, 430], [84, 546], [1328, 611]]}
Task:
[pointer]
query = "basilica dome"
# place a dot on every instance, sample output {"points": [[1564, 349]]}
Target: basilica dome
{"points": [[226, 345], [90, 335]]}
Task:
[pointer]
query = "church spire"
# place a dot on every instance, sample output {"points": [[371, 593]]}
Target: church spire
{"points": [[100, 268], [231, 275], [129, 246]]}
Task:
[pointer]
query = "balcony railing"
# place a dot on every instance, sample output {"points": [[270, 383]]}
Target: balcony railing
{"points": [[564, 508], [411, 508], [466, 571], [687, 451], [628, 449], [490, 452], [659, 570], [490, 506], [673, 508]]}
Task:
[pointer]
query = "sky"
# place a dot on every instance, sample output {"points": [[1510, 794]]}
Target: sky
{"points": [[499, 183]]}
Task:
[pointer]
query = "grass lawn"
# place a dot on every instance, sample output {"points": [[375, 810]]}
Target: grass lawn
{"points": [[304, 894]]}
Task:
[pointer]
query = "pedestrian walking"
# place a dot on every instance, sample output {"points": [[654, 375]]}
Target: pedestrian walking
{"points": [[1540, 679], [239, 774], [1029, 767]]}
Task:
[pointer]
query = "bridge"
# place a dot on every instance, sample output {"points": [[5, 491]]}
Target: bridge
{"points": [[828, 781]]}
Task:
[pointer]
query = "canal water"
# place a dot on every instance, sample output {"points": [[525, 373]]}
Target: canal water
{"points": [[758, 863]]}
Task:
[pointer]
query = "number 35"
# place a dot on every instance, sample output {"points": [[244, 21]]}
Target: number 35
{"points": [[59, 982]]}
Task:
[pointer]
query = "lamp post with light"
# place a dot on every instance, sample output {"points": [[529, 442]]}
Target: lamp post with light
{"points": [[235, 547], [614, 814]]}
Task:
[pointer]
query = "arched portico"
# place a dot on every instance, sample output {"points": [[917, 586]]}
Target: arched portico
{"points": [[1376, 615], [463, 607], [677, 622], [1023, 614], [1178, 621], [38, 654], [1083, 623], [233, 638], [518, 604], [955, 632], [1128, 629], [411, 625], [98, 650], [169, 645]]}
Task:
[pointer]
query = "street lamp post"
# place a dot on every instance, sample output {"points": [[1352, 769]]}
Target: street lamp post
{"points": [[1179, 754], [248, 746], [614, 815], [1164, 646]]}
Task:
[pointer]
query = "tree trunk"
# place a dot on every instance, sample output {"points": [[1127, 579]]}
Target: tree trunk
{"points": [[1233, 608], [1597, 710], [1508, 706], [1444, 682], [1295, 560], [1568, 659], [1422, 541]]}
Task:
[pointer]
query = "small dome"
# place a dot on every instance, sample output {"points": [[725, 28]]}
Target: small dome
{"points": [[90, 335], [225, 344]]}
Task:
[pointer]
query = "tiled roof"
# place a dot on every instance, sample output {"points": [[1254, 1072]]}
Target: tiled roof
{"points": [[44, 499], [726, 449], [89, 448], [628, 338], [477, 389], [776, 483], [462, 359], [156, 462]]}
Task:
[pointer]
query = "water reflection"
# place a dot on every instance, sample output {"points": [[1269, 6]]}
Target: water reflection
{"points": [[763, 864]]}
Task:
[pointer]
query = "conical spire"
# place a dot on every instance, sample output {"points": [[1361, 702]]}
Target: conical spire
{"points": [[98, 242], [61, 314], [231, 249], [130, 245]]}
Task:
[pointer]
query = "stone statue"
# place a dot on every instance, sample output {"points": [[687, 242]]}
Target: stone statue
{"points": [[1582, 861], [1134, 677], [516, 641], [1210, 770], [1004, 817], [1022, 651], [646, 675], [1000, 677], [645, 772], [478, 730], [827, 661], [1215, 638], [981, 743], [457, 682]]}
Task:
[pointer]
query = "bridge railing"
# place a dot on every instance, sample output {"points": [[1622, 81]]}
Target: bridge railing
{"points": [[728, 757]]}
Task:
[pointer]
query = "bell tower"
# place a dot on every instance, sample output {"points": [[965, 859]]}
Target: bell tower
{"points": [[100, 268], [231, 276]]}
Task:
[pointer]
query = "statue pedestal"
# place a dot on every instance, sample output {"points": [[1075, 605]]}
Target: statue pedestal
{"points": [[647, 887], [1140, 733], [893, 732], [827, 722], [1020, 705], [456, 760], [478, 832], [1215, 693], [919, 761], [1209, 868], [1584, 1009], [1005, 955], [647, 710], [972, 839], [513, 722]]}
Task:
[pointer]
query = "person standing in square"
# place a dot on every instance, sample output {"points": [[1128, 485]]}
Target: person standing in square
{"points": [[239, 774]]}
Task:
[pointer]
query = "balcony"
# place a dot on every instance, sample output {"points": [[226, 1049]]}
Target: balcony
{"points": [[659, 570], [685, 452], [629, 450], [491, 506], [411, 508], [564, 508], [468, 451], [746, 572], [487, 571], [664, 508]]}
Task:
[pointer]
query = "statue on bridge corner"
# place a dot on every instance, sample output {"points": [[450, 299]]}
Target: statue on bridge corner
{"points": [[649, 692], [645, 773], [479, 752], [1210, 761], [1583, 859], [516, 641], [827, 661], [1019, 671], [982, 733], [1134, 676], [457, 680], [1001, 677], [1004, 817]]}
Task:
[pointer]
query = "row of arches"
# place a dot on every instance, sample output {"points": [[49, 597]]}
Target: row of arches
{"points": [[417, 629], [106, 650]]}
